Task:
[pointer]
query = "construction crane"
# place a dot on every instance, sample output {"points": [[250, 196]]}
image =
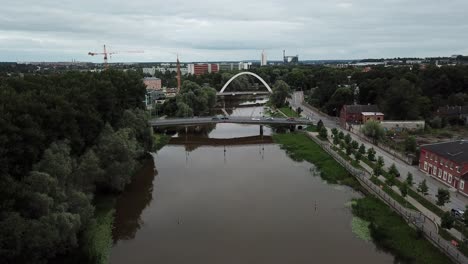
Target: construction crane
{"points": [[105, 53]]}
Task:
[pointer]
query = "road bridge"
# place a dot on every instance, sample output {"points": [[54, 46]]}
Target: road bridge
{"points": [[241, 141], [231, 119], [242, 93]]}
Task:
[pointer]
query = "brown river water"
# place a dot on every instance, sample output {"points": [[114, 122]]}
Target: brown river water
{"points": [[235, 204]]}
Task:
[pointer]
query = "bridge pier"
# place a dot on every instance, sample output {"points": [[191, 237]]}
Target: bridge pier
{"points": [[261, 130]]}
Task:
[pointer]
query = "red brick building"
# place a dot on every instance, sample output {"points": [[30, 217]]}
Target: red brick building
{"points": [[446, 162], [202, 68], [358, 114]]}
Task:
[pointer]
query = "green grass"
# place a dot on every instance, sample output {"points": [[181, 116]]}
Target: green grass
{"points": [[311, 128], [98, 234], [299, 147], [392, 233], [289, 112], [160, 140]]}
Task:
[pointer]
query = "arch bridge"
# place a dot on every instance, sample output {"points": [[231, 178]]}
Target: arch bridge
{"points": [[223, 93]]}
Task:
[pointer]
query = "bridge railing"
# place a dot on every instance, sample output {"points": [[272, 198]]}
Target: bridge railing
{"points": [[415, 218]]}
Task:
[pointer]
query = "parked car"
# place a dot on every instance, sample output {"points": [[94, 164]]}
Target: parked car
{"points": [[255, 119], [224, 117], [291, 119], [457, 213], [269, 118]]}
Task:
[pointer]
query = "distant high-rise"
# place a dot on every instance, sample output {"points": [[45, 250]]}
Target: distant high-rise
{"points": [[263, 62]]}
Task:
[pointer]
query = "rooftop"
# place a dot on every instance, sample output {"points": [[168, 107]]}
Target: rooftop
{"points": [[357, 109], [456, 151], [371, 113], [151, 78]]}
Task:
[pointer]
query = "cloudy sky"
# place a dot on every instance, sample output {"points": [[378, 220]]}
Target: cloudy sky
{"points": [[63, 30]]}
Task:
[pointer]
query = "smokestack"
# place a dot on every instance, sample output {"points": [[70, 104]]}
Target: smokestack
{"points": [[284, 54]]}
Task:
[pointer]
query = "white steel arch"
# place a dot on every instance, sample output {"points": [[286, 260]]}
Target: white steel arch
{"points": [[248, 73]]}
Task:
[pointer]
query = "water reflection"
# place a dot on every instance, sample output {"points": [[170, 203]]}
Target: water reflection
{"points": [[135, 198]]}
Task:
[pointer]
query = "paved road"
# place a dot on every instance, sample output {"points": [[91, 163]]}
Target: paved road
{"points": [[231, 119], [456, 200]]}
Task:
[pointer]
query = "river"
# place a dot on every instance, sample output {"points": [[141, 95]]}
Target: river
{"points": [[235, 204]]}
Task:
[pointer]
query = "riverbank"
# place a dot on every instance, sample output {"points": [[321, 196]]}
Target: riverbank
{"points": [[299, 147], [392, 233], [98, 234], [401, 243]]}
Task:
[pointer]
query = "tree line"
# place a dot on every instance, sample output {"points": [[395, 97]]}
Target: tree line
{"points": [[64, 139]]}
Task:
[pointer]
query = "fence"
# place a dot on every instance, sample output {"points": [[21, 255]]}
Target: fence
{"points": [[420, 221]]}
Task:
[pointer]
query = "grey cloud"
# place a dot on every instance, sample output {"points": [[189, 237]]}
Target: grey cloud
{"points": [[232, 30]]}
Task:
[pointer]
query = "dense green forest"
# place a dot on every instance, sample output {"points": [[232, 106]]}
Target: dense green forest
{"points": [[64, 139], [417, 91]]}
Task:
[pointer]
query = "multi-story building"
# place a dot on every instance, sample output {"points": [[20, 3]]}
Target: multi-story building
{"points": [[228, 66], [263, 61], [163, 69], [447, 162], [202, 68], [358, 114], [152, 83], [244, 65]]}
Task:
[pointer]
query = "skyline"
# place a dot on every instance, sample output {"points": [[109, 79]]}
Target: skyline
{"points": [[226, 31]]}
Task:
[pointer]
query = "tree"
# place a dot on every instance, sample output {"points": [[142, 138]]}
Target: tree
{"points": [[374, 130], [378, 168], [371, 154], [354, 144], [56, 162], [404, 189], [391, 180], [422, 187], [347, 139], [349, 150], [281, 91], [443, 196], [336, 141], [357, 156], [323, 133], [393, 170], [409, 179], [340, 135], [447, 220], [362, 149], [341, 96], [88, 172], [410, 144], [334, 132], [299, 111], [319, 124], [184, 110], [117, 152]]}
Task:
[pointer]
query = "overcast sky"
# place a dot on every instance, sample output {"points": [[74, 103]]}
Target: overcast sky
{"points": [[63, 30]]}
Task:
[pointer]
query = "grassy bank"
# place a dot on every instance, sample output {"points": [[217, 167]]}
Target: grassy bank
{"points": [[289, 112], [98, 236], [160, 140], [391, 232], [299, 147]]}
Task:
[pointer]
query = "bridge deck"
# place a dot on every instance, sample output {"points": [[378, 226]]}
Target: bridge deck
{"points": [[243, 93], [231, 119]]}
